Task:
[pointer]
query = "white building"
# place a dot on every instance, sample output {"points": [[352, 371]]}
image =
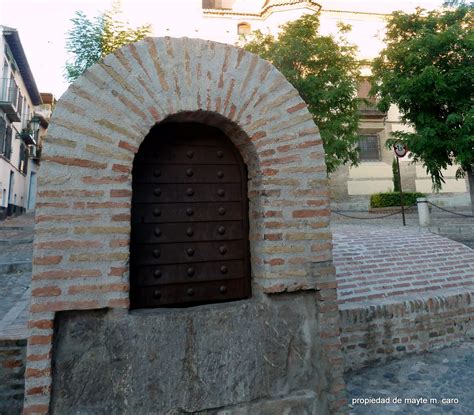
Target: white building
{"points": [[18, 127]]}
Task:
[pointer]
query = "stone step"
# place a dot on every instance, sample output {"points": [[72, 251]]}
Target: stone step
{"points": [[15, 267]]}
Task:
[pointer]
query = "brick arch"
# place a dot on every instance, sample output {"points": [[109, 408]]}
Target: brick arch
{"points": [[84, 187]]}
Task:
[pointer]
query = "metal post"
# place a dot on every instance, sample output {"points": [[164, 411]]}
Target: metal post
{"points": [[401, 192], [423, 211]]}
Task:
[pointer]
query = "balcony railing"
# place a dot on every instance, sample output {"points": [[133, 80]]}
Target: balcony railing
{"points": [[9, 99]]}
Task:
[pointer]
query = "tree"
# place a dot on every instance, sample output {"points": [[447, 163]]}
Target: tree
{"points": [[90, 40], [325, 72], [427, 70]]}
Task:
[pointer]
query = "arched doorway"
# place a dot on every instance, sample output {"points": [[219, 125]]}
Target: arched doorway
{"points": [[189, 237]]}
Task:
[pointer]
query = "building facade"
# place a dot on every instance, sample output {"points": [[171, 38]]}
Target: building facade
{"points": [[351, 187], [21, 128]]}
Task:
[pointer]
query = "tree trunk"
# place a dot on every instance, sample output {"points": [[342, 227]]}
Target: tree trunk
{"points": [[470, 179]]}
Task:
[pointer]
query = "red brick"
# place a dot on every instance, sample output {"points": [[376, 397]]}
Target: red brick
{"points": [[156, 115], [34, 340], [61, 205], [273, 236], [71, 161], [105, 180], [267, 153], [38, 390], [306, 144], [120, 193], [47, 260], [65, 305], [273, 214], [127, 146], [38, 357], [12, 363], [122, 217], [70, 193], [281, 160], [117, 271], [309, 131], [120, 168], [274, 225], [270, 172], [310, 213], [99, 288], [117, 243], [274, 261], [108, 205], [65, 218], [41, 324], [315, 203], [68, 244], [119, 303], [63, 274], [297, 107], [37, 373], [46, 292]]}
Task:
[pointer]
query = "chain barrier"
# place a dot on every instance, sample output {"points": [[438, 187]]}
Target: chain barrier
{"points": [[450, 211], [378, 217]]}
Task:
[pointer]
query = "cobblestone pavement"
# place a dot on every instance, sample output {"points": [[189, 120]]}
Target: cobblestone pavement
{"points": [[16, 249], [440, 382]]}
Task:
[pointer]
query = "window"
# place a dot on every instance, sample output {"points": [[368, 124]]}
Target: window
{"points": [[218, 4], [3, 132], [7, 149], [23, 162], [244, 29], [369, 148]]}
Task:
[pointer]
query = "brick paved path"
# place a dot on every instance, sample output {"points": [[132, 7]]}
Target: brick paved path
{"points": [[443, 374], [455, 227], [375, 263]]}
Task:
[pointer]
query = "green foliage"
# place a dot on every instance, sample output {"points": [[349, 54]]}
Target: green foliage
{"points": [[380, 200], [325, 72], [396, 176], [90, 40], [455, 3], [427, 70], [85, 43]]}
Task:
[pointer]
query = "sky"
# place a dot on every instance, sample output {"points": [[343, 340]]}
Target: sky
{"points": [[43, 24]]}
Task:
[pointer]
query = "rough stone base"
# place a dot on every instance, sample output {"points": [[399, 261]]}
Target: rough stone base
{"points": [[255, 356]]}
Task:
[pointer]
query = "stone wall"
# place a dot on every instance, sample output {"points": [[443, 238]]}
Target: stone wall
{"points": [[12, 371], [84, 197], [378, 333]]}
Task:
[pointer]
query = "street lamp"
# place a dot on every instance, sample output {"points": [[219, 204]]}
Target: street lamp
{"points": [[29, 135], [35, 124]]}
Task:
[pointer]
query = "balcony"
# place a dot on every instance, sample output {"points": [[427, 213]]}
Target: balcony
{"points": [[10, 99], [28, 136]]}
